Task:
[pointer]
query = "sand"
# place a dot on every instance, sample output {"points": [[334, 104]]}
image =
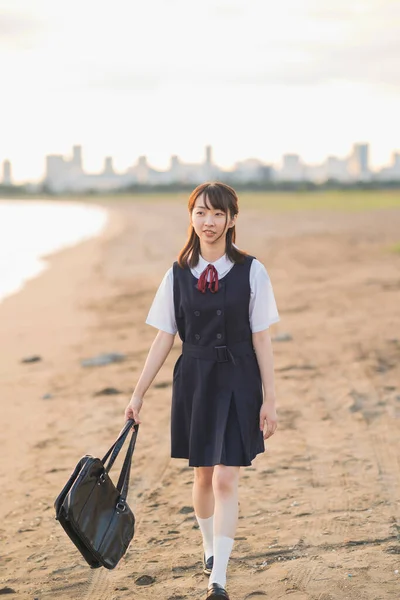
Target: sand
{"points": [[319, 510]]}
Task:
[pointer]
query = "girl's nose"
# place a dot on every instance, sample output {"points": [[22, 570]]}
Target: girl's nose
{"points": [[209, 219]]}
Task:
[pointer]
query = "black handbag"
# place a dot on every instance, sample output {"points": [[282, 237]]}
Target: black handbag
{"points": [[93, 511]]}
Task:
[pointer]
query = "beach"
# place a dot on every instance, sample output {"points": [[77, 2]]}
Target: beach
{"points": [[319, 510]]}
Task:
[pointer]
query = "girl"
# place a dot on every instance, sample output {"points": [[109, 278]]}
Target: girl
{"points": [[220, 301]]}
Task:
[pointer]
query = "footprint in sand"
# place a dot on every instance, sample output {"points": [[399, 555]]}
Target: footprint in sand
{"points": [[258, 595], [45, 443]]}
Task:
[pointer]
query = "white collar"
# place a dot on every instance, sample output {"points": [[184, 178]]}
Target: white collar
{"points": [[222, 265]]}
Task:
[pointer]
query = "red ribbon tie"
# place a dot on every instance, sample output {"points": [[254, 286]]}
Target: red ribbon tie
{"points": [[203, 280]]}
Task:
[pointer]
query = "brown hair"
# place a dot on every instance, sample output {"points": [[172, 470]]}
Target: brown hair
{"points": [[222, 197]]}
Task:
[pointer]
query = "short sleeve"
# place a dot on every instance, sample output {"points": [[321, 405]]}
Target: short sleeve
{"points": [[162, 311], [263, 311]]}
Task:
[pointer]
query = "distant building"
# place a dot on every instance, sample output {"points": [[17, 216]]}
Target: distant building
{"points": [[67, 175], [395, 166], [392, 172], [358, 162], [292, 168], [336, 168], [194, 173], [76, 162], [174, 169], [352, 168], [108, 166], [249, 170], [210, 170], [331, 168], [6, 173], [316, 173], [63, 174]]}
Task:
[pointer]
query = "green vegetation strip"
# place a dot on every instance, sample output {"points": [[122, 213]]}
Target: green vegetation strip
{"points": [[351, 201], [343, 201]]}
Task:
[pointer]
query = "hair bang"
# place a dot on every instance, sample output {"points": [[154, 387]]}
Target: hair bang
{"points": [[216, 198]]}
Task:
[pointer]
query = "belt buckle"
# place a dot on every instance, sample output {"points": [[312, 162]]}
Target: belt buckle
{"points": [[222, 353]]}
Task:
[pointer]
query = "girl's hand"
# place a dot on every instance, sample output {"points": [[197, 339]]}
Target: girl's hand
{"points": [[133, 409], [268, 419]]}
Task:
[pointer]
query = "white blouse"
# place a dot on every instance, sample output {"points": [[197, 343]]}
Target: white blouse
{"points": [[262, 306]]}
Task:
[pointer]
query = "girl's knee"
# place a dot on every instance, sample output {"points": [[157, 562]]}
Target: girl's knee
{"points": [[225, 479], [203, 476]]}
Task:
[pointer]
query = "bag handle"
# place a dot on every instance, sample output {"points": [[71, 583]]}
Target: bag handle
{"points": [[123, 481], [117, 445], [112, 453]]}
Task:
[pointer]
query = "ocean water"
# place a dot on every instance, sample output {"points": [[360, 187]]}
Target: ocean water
{"points": [[32, 229]]}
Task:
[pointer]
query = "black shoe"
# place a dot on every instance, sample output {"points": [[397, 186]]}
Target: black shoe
{"points": [[217, 592], [207, 565]]}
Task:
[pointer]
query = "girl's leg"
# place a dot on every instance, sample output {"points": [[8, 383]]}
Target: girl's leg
{"points": [[225, 486], [203, 503]]}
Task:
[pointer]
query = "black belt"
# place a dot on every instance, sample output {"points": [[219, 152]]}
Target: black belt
{"points": [[219, 353]]}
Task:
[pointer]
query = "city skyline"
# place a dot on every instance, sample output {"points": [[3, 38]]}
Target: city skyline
{"points": [[94, 160], [10, 164], [138, 78], [68, 173], [275, 165]]}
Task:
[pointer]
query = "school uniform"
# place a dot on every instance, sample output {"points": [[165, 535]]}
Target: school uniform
{"points": [[217, 387]]}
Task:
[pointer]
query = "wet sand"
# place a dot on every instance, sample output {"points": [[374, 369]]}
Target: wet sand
{"points": [[319, 511]]}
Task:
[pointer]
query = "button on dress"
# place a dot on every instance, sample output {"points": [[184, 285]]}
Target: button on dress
{"points": [[217, 387]]}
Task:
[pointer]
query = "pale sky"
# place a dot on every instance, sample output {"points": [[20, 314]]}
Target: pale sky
{"points": [[253, 78]]}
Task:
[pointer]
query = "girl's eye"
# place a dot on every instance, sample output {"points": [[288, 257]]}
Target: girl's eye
{"points": [[219, 214]]}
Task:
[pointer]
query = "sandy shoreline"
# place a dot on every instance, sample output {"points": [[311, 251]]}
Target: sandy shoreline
{"points": [[44, 318], [320, 505]]}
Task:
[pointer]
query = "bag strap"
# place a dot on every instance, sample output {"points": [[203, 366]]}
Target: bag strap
{"points": [[123, 481], [117, 445]]}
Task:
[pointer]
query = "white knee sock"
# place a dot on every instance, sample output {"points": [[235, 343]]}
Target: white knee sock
{"points": [[207, 531], [222, 550]]}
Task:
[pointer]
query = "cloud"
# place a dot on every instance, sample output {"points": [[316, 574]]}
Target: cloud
{"points": [[121, 81], [160, 44], [375, 62], [344, 10], [19, 30], [356, 43]]}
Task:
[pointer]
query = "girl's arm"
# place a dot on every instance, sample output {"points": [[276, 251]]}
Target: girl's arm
{"points": [[158, 352], [263, 348]]}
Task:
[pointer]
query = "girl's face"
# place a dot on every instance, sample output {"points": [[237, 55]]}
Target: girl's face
{"points": [[209, 223]]}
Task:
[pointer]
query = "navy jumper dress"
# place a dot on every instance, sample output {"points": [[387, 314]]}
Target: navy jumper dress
{"points": [[217, 387]]}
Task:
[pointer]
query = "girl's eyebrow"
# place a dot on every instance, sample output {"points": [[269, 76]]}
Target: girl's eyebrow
{"points": [[209, 208]]}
